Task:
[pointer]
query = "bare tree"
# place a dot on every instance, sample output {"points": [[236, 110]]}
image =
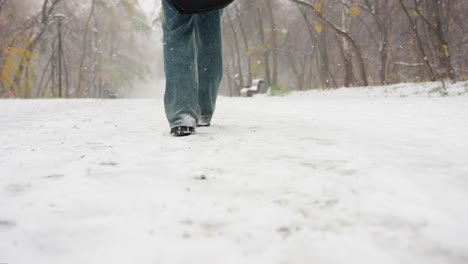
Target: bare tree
{"points": [[295, 44], [273, 41], [421, 50], [39, 28], [237, 50], [438, 26], [2, 3], [264, 47], [84, 47], [246, 45], [346, 37]]}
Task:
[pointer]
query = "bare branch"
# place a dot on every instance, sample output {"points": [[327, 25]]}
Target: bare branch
{"points": [[413, 26], [2, 3], [341, 33]]}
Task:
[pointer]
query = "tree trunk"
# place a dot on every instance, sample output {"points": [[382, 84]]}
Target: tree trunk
{"points": [[345, 48], [347, 66], [84, 50], [34, 39], [413, 26], [324, 62], [341, 33], [380, 13], [383, 70], [440, 43], [274, 46], [246, 46], [2, 3], [323, 65], [238, 52], [266, 60]]}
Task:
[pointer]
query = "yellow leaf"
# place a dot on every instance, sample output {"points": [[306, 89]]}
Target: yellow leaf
{"points": [[318, 27], [9, 68], [420, 11], [318, 6], [22, 53], [446, 50], [13, 58], [415, 13], [411, 42], [353, 11]]}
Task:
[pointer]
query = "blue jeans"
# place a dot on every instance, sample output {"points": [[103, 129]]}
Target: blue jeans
{"points": [[192, 63]]}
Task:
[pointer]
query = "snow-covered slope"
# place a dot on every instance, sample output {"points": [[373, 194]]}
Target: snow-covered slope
{"points": [[346, 176]]}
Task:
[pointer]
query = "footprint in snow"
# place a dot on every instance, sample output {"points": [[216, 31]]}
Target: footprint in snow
{"points": [[109, 163], [7, 224], [55, 176]]}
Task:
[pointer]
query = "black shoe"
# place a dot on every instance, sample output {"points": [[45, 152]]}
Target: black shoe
{"points": [[182, 131]]}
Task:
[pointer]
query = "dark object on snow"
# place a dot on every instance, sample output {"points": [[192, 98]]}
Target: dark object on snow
{"points": [[203, 125], [199, 6], [201, 177], [182, 131], [258, 86], [7, 223], [108, 93]]}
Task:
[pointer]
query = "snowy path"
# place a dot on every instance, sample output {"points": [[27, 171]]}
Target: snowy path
{"points": [[308, 178]]}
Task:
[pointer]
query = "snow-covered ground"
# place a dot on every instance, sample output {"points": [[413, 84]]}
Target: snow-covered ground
{"points": [[344, 176]]}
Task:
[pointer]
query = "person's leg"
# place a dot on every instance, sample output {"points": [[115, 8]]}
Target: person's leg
{"points": [[180, 98], [209, 61]]}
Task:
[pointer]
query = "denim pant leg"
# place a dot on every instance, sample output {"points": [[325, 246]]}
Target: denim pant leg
{"points": [[181, 95], [209, 61], [192, 63]]}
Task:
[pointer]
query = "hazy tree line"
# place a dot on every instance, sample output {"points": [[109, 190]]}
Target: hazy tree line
{"points": [[99, 48], [62, 48], [305, 44]]}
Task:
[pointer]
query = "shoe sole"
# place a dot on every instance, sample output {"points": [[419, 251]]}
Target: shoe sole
{"points": [[182, 132]]}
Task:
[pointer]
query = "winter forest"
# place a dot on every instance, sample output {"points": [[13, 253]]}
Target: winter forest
{"points": [[102, 48], [340, 135]]}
